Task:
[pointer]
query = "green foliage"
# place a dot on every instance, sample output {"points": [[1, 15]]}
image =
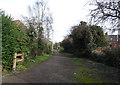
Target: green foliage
{"points": [[41, 46], [85, 76], [29, 62], [56, 46], [68, 45], [45, 47], [21, 68], [89, 71], [66, 54], [109, 57], [112, 57], [84, 39], [32, 40], [98, 35], [37, 46], [13, 40], [16, 40]]}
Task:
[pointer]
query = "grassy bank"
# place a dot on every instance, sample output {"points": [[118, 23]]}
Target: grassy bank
{"points": [[30, 62], [92, 72]]}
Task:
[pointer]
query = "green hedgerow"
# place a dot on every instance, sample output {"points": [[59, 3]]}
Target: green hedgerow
{"points": [[13, 40]]}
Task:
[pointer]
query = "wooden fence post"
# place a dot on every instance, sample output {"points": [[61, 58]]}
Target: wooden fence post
{"points": [[23, 56], [14, 61]]}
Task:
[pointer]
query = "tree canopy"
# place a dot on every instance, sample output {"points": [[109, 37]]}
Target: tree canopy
{"points": [[83, 39]]}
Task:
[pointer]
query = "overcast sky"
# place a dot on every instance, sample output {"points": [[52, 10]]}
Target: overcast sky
{"points": [[66, 13]]}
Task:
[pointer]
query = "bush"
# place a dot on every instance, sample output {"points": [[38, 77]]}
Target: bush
{"points": [[67, 44], [97, 56], [109, 57], [13, 40], [82, 40], [32, 41], [112, 57]]}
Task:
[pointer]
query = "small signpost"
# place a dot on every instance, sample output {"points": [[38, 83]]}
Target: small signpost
{"points": [[18, 57]]}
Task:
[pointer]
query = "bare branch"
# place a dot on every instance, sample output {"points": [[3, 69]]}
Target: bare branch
{"points": [[105, 11]]}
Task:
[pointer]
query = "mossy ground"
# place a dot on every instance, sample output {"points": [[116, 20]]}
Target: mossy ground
{"points": [[92, 72]]}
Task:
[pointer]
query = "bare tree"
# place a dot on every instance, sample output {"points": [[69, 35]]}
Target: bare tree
{"points": [[106, 11], [41, 19], [38, 14], [49, 29]]}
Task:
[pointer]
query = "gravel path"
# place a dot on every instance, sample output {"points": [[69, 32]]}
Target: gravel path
{"points": [[57, 69]]}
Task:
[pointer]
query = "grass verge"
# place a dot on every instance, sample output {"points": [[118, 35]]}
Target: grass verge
{"points": [[88, 71], [66, 54], [32, 62]]}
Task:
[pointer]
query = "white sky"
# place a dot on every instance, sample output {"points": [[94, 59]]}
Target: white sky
{"points": [[66, 13]]}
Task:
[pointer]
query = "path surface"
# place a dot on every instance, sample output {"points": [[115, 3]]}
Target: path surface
{"points": [[57, 69]]}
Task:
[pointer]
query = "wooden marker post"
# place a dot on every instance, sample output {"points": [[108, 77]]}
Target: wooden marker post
{"points": [[14, 61]]}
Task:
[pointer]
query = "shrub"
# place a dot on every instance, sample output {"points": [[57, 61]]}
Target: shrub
{"points": [[32, 41], [97, 55], [13, 40], [112, 57], [67, 44], [82, 40], [109, 57]]}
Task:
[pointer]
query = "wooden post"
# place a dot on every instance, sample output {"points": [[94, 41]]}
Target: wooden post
{"points": [[23, 56], [14, 61]]}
